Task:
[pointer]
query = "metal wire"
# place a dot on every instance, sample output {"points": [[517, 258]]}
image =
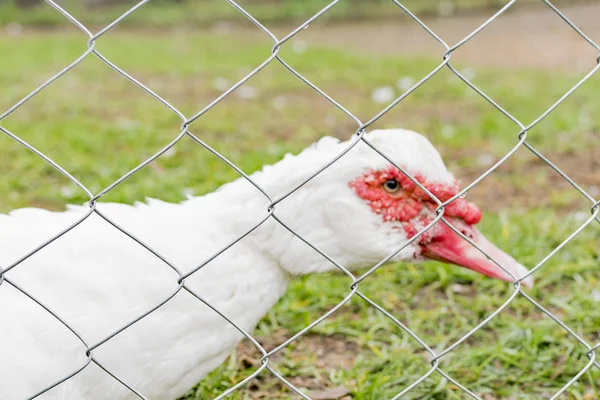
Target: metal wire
{"points": [[521, 131]]}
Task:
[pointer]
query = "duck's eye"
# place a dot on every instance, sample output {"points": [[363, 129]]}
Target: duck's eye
{"points": [[391, 186]]}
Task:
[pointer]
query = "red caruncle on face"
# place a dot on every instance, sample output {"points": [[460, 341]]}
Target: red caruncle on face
{"points": [[407, 204]]}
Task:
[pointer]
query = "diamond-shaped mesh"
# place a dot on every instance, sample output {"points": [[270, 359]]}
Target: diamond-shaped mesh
{"points": [[270, 211]]}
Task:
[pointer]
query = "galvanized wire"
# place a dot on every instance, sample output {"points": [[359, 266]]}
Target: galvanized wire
{"points": [[270, 212]]}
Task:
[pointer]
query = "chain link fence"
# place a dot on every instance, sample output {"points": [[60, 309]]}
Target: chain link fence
{"points": [[446, 51]]}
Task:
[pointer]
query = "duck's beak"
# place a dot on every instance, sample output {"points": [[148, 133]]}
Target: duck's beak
{"points": [[447, 246]]}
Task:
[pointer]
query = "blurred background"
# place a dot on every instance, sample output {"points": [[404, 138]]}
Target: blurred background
{"points": [[98, 125]]}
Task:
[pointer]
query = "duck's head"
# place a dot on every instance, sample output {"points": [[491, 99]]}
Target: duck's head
{"points": [[362, 208]]}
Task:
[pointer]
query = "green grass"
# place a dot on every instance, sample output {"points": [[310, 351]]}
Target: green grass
{"points": [[199, 13], [98, 126], [160, 14]]}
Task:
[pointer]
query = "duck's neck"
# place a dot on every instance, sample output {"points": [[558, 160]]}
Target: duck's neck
{"points": [[248, 276]]}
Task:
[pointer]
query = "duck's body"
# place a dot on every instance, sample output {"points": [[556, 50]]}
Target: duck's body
{"points": [[98, 280]]}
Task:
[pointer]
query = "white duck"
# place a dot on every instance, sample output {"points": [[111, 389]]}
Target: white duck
{"points": [[358, 211]]}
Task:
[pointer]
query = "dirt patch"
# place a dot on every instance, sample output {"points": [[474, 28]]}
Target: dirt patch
{"points": [[322, 353]]}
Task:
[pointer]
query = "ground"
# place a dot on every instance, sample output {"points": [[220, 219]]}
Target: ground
{"points": [[525, 37], [98, 126]]}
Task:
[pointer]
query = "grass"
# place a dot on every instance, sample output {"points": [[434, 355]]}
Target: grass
{"points": [[161, 14], [204, 13], [98, 126]]}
